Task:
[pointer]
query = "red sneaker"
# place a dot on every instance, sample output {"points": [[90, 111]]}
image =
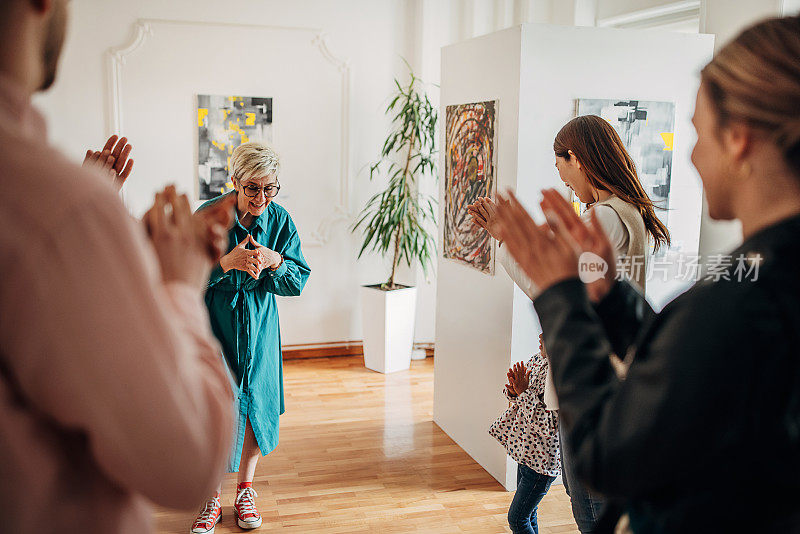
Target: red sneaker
{"points": [[245, 506], [208, 518]]}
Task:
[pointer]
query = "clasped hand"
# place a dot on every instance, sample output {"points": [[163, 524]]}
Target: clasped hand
{"points": [[252, 261]]}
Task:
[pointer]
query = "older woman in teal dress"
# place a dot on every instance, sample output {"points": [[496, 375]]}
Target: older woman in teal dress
{"points": [[264, 260]]}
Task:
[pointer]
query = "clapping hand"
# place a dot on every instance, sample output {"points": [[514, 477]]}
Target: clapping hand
{"points": [[112, 159], [585, 238], [212, 224], [183, 255], [484, 214], [519, 378], [548, 253]]}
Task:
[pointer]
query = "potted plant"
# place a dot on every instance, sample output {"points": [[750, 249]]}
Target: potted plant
{"points": [[394, 222]]}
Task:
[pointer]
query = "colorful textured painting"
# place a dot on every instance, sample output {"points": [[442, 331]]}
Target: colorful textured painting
{"points": [[470, 163], [223, 123], [647, 131]]}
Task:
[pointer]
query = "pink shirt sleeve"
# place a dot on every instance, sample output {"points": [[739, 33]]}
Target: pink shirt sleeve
{"points": [[107, 349]]}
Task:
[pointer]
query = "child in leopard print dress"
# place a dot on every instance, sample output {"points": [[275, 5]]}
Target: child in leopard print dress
{"points": [[529, 433]]}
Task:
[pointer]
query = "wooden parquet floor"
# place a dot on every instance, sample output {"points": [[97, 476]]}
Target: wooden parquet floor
{"points": [[359, 452]]}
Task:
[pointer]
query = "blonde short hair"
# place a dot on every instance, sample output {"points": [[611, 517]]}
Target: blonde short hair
{"points": [[253, 160]]}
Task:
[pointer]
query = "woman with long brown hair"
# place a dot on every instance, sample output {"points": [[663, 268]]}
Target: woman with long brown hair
{"points": [[703, 434], [593, 162]]}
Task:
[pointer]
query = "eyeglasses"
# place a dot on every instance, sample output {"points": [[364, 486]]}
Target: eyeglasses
{"points": [[270, 191]]}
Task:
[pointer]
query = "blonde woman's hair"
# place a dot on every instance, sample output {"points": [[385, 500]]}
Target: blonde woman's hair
{"points": [[253, 160], [755, 79]]}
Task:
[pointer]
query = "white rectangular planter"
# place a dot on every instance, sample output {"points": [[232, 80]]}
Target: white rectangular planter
{"points": [[388, 320]]}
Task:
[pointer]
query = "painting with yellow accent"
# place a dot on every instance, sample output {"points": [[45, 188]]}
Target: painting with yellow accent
{"points": [[223, 123], [647, 130]]}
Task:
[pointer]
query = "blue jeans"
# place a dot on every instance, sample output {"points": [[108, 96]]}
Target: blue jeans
{"points": [[586, 505], [531, 489]]}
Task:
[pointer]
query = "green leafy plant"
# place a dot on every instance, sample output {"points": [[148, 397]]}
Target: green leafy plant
{"points": [[395, 218]]}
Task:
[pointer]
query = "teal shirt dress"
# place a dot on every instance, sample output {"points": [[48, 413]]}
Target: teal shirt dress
{"points": [[244, 318]]}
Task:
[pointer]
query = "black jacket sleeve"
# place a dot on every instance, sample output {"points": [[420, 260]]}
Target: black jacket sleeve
{"points": [[623, 312], [684, 388]]}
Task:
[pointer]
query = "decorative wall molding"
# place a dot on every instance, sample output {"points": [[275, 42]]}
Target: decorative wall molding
{"points": [[673, 12], [340, 212], [143, 29]]}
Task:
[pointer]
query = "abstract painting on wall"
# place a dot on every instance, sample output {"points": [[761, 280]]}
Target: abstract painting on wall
{"points": [[223, 123], [647, 131], [470, 166]]}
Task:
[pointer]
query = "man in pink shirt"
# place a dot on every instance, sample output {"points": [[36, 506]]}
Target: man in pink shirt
{"points": [[112, 389]]}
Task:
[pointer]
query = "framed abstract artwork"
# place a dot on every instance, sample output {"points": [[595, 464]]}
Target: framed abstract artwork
{"points": [[223, 123], [647, 131], [470, 172]]}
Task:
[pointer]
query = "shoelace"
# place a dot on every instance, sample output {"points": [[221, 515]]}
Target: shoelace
{"points": [[245, 500], [210, 510]]}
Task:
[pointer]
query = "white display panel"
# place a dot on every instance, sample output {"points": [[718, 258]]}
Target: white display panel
{"points": [[537, 72]]}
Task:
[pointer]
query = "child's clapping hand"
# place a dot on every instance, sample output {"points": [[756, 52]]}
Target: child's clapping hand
{"points": [[519, 378]]}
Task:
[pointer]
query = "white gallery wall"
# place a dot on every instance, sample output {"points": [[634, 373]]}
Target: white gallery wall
{"points": [[537, 72], [302, 52], [329, 67], [316, 58]]}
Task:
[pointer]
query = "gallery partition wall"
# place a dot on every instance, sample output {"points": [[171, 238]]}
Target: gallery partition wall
{"points": [[534, 78]]}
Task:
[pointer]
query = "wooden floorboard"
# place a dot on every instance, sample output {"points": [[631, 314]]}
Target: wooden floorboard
{"points": [[359, 452]]}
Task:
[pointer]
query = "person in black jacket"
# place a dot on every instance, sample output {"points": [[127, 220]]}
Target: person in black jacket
{"points": [[703, 434]]}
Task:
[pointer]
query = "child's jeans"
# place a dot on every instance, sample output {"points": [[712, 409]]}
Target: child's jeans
{"points": [[531, 489]]}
